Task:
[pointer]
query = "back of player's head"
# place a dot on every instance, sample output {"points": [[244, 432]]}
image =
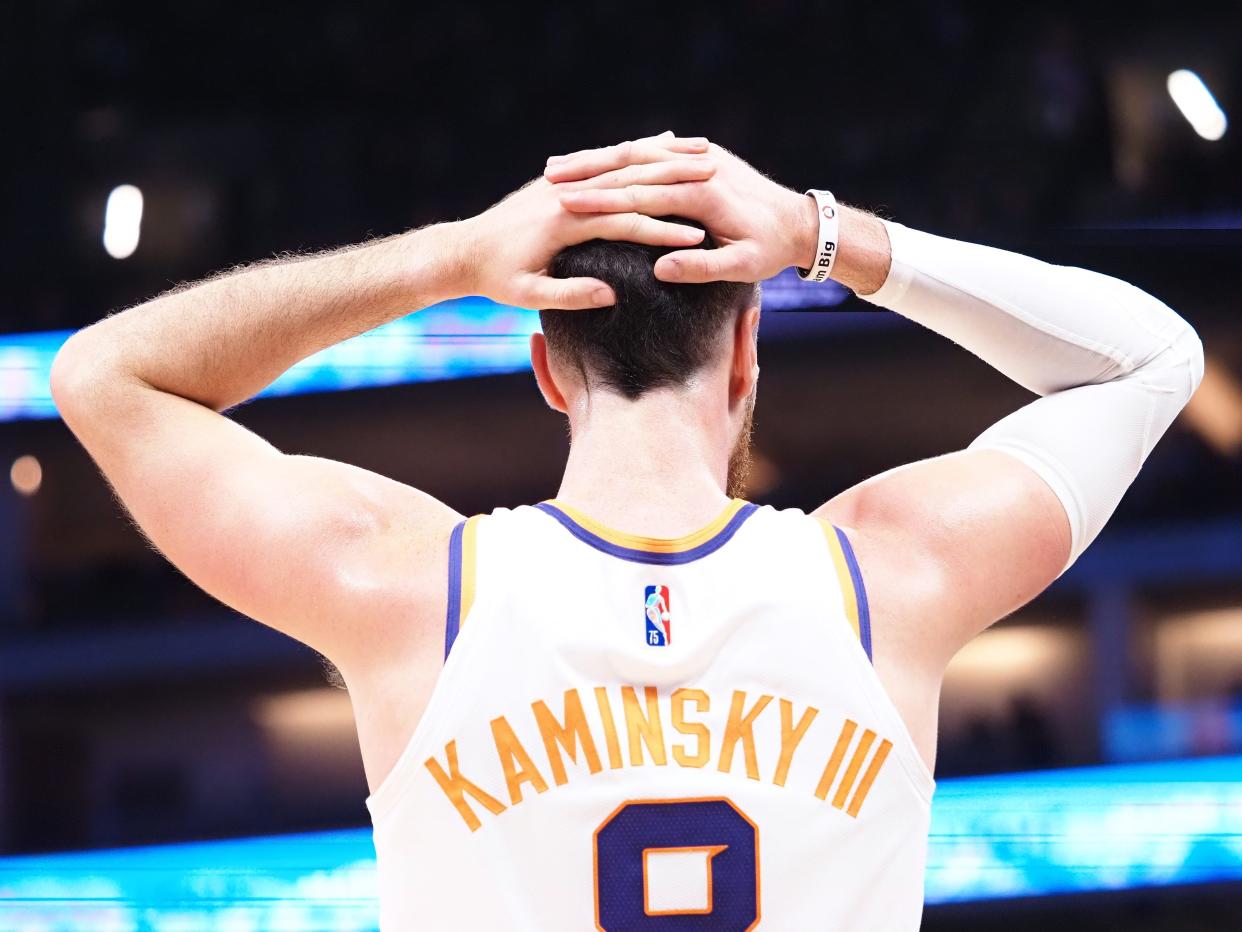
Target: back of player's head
{"points": [[657, 335]]}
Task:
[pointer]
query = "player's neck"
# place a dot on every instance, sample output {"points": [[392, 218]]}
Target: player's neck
{"points": [[655, 466]]}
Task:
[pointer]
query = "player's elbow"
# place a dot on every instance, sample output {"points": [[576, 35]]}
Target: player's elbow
{"points": [[1180, 352], [1178, 369], [1164, 354], [81, 370], [70, 377]]}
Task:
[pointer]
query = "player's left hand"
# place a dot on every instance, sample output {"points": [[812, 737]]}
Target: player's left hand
{"points": [[507, 248]]}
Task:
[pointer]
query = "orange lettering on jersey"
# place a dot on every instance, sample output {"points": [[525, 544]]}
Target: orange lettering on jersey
{"points": [[740, 727], [610, 728], [869, 777], [838, 755], [851, 772], [568, 735], [791, 737], [517, 765], [703, 747], [456, 787], [643, 729]]}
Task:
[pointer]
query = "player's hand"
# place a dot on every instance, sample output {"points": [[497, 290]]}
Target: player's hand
{"points": [[507, 248], [760, 227], [590, 163]]}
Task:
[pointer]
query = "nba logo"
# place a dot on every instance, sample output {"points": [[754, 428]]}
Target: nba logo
{"points": [[659, 621]]}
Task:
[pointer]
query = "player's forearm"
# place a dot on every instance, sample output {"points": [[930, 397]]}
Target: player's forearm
{"points": [[221, 341], [1045, 326], [863, 254]]}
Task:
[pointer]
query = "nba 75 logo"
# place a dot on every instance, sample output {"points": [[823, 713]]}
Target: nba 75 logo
{"points": [[659, 622]]}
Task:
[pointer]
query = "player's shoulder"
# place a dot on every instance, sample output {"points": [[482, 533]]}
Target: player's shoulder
{"points": [[790, 514], [527, 528], [775, 534], [783, 520]]}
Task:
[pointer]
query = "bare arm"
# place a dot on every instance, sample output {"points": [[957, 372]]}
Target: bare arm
{"points": [[325, 552], [285, 539]]}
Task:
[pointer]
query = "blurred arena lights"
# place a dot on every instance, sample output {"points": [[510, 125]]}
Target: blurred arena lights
{"points": [[456, 339], [1197, 104], [1010, 835], [1215, 411], [26, 474], [122, 221]]}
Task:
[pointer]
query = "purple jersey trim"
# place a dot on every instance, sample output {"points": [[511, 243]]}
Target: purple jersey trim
{"points": [[860, 591], [452, 620], [646, 556]]}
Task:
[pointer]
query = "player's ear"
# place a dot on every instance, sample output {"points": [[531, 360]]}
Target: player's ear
{"points": [[543, 374], [744, 367]]}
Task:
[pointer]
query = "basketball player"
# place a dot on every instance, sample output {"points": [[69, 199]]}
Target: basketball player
{"points": [[769, 764]]}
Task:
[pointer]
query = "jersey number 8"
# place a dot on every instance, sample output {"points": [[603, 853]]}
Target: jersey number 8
{"points": [[724, 838]]}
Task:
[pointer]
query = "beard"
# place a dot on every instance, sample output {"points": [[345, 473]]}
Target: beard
{"points": [[739, 459]]}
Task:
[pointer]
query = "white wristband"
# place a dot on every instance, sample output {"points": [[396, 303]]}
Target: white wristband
{"points": [[826, 248]]}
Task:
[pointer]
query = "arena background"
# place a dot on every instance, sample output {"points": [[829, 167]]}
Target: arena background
{"points": [[167, 764]]}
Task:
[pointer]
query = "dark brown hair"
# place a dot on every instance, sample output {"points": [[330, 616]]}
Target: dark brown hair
{"points": [[656, 335]]}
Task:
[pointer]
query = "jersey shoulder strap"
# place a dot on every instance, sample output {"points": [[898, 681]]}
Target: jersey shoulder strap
{"points": [[849, 577], [462, 563]]}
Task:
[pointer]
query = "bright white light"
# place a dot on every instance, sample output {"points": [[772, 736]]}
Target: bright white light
{"points": [[26, 475], [1197, 104], [122, 221]]}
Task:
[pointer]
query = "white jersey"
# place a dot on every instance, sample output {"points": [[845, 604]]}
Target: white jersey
{"points": [[646, 734]]}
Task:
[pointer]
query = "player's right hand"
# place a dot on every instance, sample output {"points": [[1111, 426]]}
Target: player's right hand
{"points": [[760, 227]]}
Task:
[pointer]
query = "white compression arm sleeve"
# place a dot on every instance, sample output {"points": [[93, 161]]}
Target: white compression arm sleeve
{"points": [[1114, 365]]}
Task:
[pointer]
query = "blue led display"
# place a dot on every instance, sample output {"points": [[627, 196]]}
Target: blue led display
{"points": [[467, 337], [1097, 828], [455, 339], [1090, 829]]}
